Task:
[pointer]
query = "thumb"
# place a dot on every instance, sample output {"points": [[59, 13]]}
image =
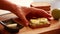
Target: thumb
{"points": [[19, 21]]}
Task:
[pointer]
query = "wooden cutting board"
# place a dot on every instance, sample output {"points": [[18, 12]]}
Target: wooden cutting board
{"points": [[54, 25], [26, 30]]}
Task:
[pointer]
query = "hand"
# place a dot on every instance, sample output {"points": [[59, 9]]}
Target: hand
{"points": [[29, 13]]}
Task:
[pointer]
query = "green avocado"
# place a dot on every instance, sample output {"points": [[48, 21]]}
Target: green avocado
{"points": [[56, 13]]}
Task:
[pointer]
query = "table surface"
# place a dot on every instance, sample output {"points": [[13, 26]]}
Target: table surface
{"points": [[26, 30]]}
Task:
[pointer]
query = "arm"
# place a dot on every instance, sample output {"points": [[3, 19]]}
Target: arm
{"points": [[5, 5]]}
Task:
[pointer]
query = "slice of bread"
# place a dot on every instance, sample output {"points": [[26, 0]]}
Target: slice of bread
{"points": [[39, 26], [38, 23], [41, 5]]}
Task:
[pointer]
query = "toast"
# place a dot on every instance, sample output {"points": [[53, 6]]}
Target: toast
{"points": [[41, 5], [39, 23]]}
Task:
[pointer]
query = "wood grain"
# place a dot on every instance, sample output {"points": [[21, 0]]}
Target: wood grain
{"points": [[26, 30]]}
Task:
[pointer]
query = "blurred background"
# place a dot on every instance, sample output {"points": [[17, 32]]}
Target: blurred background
{"points": [[54, 3]]}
